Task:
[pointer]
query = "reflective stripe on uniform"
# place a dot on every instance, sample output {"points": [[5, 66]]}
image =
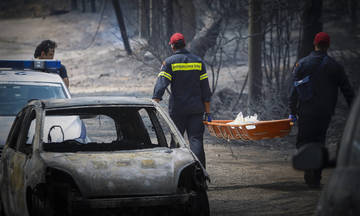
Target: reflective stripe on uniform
{"points": [[186, 66], [204, 76], [166, 75]]}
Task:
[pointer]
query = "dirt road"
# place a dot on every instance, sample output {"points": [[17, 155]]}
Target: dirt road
{"points": [[256, 180]]}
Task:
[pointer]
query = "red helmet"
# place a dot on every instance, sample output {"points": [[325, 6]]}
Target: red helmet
{"points": [[176, 38], [322, 37]]}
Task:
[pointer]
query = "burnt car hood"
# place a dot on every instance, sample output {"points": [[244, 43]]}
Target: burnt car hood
{"points": [[122, 173]]}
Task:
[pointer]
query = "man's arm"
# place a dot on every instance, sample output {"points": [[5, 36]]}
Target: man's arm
{"points": [[207, 107], [64, 76], [66, 81], [163, 80], [293, 98], [205, 88]]}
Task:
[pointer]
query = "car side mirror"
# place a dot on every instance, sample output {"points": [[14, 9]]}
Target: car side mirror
{"points": [[311, 156]]}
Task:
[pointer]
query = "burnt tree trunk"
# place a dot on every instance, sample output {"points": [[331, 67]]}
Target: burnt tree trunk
{"points": [[74, 5], [144, 19], [168, 6], [155, 22], [93, 6], [353, 14], [207, 36], [83, 6], [254, 50], [311, 25], [121, 24]]}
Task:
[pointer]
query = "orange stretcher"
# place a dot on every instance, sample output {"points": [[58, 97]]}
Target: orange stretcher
{"points": [[249, 131]]}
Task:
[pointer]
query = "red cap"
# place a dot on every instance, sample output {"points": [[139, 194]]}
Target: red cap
{"points": [[176, 37], [321, 37]]}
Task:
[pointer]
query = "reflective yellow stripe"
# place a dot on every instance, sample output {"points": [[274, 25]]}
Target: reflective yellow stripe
{"points": [[204, 76], [166, 75], [186, 66]]}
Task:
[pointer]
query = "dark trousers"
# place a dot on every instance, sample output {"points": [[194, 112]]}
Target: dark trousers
{"points": [[194, 127], [312, 130]]}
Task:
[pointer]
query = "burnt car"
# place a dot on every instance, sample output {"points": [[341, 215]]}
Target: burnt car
{"points": [[133, 162], [341, 196]]}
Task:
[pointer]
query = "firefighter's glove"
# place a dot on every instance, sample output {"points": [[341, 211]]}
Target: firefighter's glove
{"points": [[293, 118], [207, 117]]}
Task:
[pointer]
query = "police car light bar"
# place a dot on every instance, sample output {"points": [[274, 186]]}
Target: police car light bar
{"points": [[30, 64]]}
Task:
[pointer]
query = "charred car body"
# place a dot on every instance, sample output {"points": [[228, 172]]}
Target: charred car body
{"points": [[341, 196], [133, 160]]}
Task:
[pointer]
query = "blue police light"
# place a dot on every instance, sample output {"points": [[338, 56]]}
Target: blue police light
{"points": [[30, 64]]}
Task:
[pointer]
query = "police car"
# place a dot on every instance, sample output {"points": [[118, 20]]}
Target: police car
{"points": [[22, 81]]}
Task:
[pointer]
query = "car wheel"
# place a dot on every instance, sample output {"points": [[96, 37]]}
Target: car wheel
{"points": [[40, 205], [2, 213], [199, 205]]}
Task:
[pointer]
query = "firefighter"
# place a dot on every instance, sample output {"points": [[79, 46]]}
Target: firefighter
{"points": [[189, 101], [317, 78], [46, 50]]}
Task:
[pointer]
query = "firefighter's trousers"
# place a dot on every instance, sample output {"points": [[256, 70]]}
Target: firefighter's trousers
{"points": [[193, 126]]}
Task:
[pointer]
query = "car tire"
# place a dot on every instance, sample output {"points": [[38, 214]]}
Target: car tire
{"points": [[199, 205], [40, 206], [2, 212]]}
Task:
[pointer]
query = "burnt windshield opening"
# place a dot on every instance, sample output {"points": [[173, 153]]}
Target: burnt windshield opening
{"points": [[103, 129]]}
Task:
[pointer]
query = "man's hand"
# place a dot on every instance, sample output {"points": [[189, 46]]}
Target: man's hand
{"points": [[292, 117], [157, 100], [207, 117]]}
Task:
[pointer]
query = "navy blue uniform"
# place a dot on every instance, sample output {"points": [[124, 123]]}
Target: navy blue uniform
{"points": [[315, 113], [189, 90]]}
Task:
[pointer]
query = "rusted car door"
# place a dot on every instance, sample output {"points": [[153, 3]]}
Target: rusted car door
{"points": [[8, 165], [21, 159]]}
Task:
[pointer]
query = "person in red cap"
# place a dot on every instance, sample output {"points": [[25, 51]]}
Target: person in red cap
{"points": [[189, 101], [317, 78]]}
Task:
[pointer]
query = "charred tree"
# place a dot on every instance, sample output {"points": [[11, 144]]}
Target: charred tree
{"points": [[207, 36], [254, 50], [122, 27], [83, 6], [74, 5], [144, 19], [353, 14], [168, 6], [155, 22], [185, 15], [93, 6], [311, 25]]}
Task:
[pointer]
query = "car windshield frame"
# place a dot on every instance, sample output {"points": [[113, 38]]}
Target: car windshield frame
{"points": [[76, 144]]}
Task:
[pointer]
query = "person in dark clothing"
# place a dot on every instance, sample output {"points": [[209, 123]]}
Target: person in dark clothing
{"points": [[46, 50], [317, 78], [190, 93]]}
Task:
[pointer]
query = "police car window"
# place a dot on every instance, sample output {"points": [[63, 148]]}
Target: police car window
{"points": [[14, 96]]}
